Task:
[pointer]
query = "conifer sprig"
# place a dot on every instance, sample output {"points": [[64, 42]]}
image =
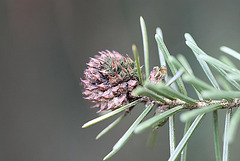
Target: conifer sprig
{"points": [[117, 83]]}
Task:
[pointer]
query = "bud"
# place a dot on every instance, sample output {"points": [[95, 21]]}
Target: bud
{"points": [[158, 74]]}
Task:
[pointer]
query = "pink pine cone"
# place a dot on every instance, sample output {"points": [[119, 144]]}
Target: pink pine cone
{"points": [[109, 80]]}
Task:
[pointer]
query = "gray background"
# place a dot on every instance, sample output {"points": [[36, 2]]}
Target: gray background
{"points": [[44, 45]]}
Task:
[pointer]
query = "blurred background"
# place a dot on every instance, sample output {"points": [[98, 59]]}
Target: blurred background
{"points": [[44, 48]]}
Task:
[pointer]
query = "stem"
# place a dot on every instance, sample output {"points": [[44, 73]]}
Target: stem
{"points": [[173, 69], [109, 127], [186, 137], [135, 52], [225, 140], [161, 57], [128, 133], [233, 125], [156, 119], [140, 91], [145, 46], [172, 133], [193, 113], [110, 114], [204, 103], [216, 136], [184, 151]]}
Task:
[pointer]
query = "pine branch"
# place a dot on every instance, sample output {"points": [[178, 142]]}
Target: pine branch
{"points": [[116, 84], [225, 104]]}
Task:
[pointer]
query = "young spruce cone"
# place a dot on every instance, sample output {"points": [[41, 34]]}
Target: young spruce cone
{"points": [[109, 80]]}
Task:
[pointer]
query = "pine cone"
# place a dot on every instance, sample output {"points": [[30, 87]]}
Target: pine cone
{"points": [[109, 80]]}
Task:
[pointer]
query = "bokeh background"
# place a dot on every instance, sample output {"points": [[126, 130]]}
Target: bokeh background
{"points": [[44, 45]]}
